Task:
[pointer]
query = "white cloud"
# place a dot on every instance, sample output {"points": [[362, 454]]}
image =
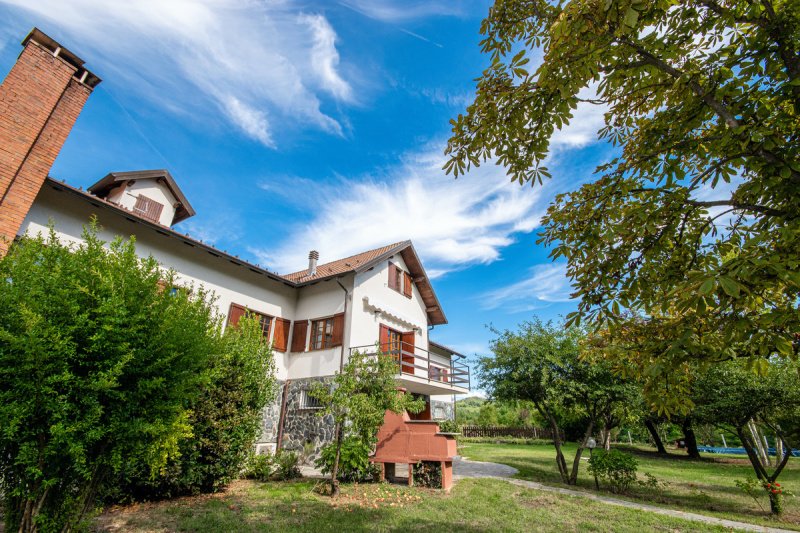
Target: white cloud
{"points": [[389, 11], [581, 131], [259, 64], [545, 284], [453, 223], [252, 121], [325, 58]]}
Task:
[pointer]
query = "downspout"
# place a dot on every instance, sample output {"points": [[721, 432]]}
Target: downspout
{"points": [[344, 325]]}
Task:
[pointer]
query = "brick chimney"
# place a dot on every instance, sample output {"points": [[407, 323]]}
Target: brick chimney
{"points": [[40, 100]]}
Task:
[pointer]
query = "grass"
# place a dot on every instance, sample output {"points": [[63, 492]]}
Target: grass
{"points": [[703, 486], [473, 505]]}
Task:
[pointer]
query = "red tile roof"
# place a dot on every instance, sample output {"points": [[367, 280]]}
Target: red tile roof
{"points": [[348, 264]]}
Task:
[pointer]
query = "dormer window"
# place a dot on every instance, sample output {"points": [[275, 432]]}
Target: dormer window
{"points": [[148, 208]]}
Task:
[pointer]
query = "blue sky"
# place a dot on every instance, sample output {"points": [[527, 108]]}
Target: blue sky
{"points": [[294, 126]]}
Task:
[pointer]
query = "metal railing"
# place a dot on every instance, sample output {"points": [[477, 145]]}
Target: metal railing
{"points": [[413, 361]]}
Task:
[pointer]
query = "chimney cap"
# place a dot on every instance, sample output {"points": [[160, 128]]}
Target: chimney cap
{"points": [[313, 254], [41, 38]]}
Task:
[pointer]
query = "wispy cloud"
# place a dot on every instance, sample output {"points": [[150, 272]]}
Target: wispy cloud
{"points": [[325, 57], [453, 223], [421, 38], [259, 65], [581, 131], [389, 11], [544, 284]]}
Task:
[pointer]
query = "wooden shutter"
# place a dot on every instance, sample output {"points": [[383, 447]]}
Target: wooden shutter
{"points": [[407, 352], [407, 284], [280, 339], [384, 339], [338, 329], [148, 208], [236, 312], [393, 277], [299, 335]]}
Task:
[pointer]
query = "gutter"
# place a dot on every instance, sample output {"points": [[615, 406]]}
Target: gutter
{"points": [[344, 325]]}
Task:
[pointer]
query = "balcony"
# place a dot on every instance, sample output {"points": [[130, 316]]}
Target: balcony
{"points": [[421, 372]]}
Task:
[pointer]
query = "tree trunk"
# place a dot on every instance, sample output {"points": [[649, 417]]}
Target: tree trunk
{"points": [[573, 478], [606, 438], [755, 460], [651, 427], [759, 442], [776, 503], [560, 461], [690, 439], [335, 470]]}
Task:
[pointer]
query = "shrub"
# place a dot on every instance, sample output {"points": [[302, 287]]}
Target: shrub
{"points": [[428, 474], [260, 467], [97, 363], [225, 420], [287, 466], [616, 468], [354, 462], [449, 426]]}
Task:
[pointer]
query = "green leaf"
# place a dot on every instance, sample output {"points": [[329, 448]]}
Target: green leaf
{"points": [[730, 287], [707, 286]]}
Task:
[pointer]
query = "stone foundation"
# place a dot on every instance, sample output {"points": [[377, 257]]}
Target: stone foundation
{"points": [[304, 431], [269, 422]]}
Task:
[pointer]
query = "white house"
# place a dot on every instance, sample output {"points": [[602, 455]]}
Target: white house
{"points": [[314, 317]]}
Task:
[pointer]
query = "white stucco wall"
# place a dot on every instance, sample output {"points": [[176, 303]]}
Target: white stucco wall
{"points": [[232, 283], [321, 300], [366, 322], [229, 283], [153, 190]]}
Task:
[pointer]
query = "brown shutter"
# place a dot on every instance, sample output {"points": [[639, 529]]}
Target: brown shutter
{"points": [[148, 208], [384, 339], [299, 335], [407, 284], [393, 277], [407, 351], [236, 312], [280, 339], [338, 329]]}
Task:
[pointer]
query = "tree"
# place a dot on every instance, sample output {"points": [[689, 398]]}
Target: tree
{"points": [[730, 393], [358, 399], [701, 101], [98, 363], [542, 363]]}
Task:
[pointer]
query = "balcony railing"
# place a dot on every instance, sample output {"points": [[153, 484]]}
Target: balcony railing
{"points": [[417, 362]]}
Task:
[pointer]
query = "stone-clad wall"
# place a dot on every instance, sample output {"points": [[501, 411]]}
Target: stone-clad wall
{"points": [[304, 431], [442, 410], [269, 422]]}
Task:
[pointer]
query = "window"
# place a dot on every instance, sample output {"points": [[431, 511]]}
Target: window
{"points": [[148, 208], [438, 374], [322, 334], [310, 402], [399, 280], [237, 311]]}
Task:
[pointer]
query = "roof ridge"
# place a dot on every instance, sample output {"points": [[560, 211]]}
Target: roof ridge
{"points": [[372, 250]]}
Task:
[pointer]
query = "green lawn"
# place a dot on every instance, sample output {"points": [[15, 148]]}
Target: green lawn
{"points": [[472, 506], [705, 486]]}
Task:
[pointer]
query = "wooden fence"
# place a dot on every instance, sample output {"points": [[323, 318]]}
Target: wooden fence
{"points": [[499, 431]]}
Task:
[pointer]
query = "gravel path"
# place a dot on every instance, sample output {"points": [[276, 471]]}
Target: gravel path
{"points": [[466, 468]]}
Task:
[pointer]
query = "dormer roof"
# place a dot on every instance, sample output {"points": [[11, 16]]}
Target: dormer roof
{"points": [[183, 210]]}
